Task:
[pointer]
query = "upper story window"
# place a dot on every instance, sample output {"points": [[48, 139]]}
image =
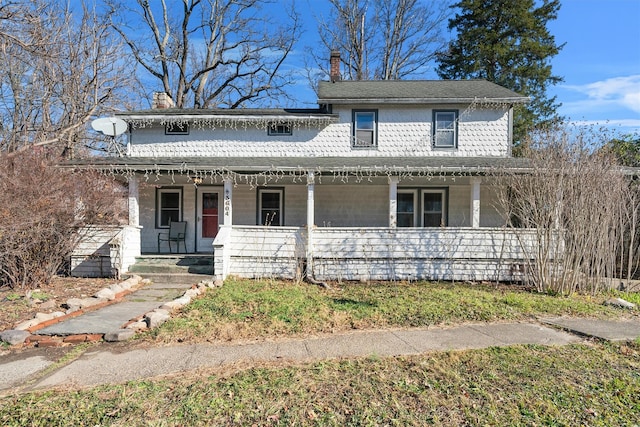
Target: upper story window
{"points": [[176, 128], [275, 129], [365, 129], [445, 129]]}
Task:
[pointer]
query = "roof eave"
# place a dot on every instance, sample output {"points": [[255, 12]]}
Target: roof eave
{"points": [[508, 101]]}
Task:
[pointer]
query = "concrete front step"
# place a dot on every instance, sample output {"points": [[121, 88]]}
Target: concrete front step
{"points": [[161, 264], [176, 259], [176, 278], [142, 269]]}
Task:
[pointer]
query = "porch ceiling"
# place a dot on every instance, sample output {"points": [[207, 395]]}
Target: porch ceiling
{"points": [[381, 165]]}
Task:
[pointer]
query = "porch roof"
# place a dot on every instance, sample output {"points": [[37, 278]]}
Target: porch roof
{"points": [[375, 165]]}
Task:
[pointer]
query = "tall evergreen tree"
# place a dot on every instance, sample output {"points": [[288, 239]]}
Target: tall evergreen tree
{"points": [[507, 42]]}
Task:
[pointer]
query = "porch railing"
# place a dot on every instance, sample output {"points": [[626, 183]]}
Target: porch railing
{"points": [[374, 253]]}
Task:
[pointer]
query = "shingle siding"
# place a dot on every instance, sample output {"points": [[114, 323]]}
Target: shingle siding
{"points": [[402, 131]]}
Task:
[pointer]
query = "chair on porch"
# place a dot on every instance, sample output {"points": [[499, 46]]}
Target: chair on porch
{"points": [[177, 233]]}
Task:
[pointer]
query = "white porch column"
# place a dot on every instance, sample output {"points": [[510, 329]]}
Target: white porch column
{"points": [[311, 220], [311, 184], [393, 201], [227, 203], [134, 202], [475, 202]]}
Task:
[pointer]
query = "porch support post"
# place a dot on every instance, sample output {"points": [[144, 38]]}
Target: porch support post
{"points": [[475, 202], [393, 201], [311, 188], [228, 202], [134, 202]]}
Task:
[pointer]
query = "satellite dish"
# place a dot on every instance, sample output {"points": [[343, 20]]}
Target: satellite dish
{"points": [[109, 126]]}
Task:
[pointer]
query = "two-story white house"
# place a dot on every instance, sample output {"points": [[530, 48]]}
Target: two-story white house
{"points": [[384, 180]]}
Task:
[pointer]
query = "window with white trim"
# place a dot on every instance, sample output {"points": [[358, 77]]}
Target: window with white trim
{"points": [[434, 208], [365, 129], [279, 129], [445, 129], [406, 212], [168, 206], [270, 202]]}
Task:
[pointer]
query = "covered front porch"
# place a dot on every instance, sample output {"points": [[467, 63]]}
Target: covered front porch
{"points": [[332, 223], [329, 218]]}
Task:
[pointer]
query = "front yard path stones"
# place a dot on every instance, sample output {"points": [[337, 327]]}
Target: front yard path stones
{"points": [[116, 316]]}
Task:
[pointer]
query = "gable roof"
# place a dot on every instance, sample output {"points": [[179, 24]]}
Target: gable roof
{"points": [[415, 92]]}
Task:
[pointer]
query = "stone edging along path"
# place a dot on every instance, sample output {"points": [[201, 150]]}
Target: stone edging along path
{"points": [[22, 334]]}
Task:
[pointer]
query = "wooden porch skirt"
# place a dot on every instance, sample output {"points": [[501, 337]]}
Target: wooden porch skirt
{"points": [[374, 253]]}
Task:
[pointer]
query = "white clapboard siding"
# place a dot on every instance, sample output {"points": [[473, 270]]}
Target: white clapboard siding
{"points": [[375, 253], [402, 243], [92, 256], [419, 253], [256, 252]]}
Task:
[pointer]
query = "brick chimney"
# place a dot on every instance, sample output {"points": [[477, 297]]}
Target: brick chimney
{"points": [[162, 100], [334, 62]]}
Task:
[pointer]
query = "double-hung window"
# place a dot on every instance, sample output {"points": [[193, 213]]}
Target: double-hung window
{"points": [[270, 206], [422, 208], [169, 206], [406, 212], [445, 129], [434, 208], [365, 129]]}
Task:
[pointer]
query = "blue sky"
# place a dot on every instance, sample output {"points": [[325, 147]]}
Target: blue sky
{"points": [[600, 62]]}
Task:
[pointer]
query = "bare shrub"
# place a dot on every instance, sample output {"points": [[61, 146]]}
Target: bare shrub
{"points": [[44, 211], [574, 198]]}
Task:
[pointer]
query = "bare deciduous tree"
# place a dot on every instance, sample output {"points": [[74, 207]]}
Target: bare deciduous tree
{"points": [[45, 211], [574, 200], [59, 68], [383, 39], [208, 53]]}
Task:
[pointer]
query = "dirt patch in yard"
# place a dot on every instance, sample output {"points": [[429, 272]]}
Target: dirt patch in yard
{"points": [[17, 305]]}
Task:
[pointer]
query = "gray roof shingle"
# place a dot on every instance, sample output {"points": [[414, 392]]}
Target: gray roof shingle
{"points": [[415, 91]]}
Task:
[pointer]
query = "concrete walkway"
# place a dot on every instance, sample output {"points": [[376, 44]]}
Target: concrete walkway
{"points": [[39, 368], [108, 364], [115, 316]]}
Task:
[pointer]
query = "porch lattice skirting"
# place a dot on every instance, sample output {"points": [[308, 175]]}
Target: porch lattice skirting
{"points": [[373, 253]]}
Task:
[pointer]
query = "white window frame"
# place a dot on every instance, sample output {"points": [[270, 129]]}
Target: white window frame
{"points": [[160, 208], [451, 130], [357, 119], [278, 191], [444, 198], [279, 129], [416, 211]]}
